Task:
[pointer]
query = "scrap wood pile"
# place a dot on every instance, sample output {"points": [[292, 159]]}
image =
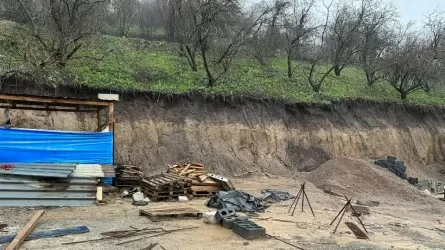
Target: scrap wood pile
{"points": [[127, 176], [202, 183]]}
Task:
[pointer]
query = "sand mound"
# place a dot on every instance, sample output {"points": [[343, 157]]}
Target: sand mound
{"points": [[364, 180]]}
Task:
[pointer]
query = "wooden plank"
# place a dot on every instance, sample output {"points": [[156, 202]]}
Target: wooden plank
{"points": [[168, 213], [111, 116], [185, 169], [357, 231], [206, 188], [99, 193], [54, 100], [49, 109], [26, 231], [202, 177]]}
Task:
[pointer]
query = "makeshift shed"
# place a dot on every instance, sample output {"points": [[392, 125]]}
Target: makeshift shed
{"points": [[51, 167]]}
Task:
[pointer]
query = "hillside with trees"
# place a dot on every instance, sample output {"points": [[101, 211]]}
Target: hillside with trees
{"points": [[314, 51]]}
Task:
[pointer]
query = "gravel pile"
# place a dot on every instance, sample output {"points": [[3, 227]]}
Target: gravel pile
{"points": [[364, 180]]}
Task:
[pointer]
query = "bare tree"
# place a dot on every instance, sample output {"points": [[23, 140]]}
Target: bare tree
{"points": [[409, 65], [297, 28], [374, 37], [343, 38], [214, 29], [183, 13], [58, 27], [149, 18], [435, 29], [270, 39], [124, 12], [317, 52]]}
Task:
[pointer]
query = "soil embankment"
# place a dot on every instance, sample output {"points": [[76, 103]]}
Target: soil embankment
{"points": [[233, 137]]}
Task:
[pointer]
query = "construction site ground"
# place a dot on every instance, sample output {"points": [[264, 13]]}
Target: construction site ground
{"points": [[395, 225]]}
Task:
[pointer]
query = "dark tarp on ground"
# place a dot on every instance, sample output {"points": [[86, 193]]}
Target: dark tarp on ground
{"points": [[276, 195], [237, 200]]}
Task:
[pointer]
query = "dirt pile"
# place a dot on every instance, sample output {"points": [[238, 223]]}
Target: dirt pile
{"points": [[364, 180]]}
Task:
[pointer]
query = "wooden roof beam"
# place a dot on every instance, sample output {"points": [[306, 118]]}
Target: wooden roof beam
{"points": [[53, 100]]}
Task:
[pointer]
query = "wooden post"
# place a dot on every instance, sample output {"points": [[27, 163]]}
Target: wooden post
{"points": [[99, 122], [111, 117], [24, 233], [99, 193]]}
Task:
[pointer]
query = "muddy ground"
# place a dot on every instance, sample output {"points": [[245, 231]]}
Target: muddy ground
{"points": [[404, 225]]}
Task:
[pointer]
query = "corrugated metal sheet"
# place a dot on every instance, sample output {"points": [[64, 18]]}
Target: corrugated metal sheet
{"points": [[39, 170], [22, 191], [93, 170]]}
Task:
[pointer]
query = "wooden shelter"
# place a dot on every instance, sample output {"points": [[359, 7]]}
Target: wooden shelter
{"points": [[59, 104]]}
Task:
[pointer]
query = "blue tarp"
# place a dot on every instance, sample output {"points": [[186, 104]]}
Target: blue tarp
{"points": [[50, 146]]}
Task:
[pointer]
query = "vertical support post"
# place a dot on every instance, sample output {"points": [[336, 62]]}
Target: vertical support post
{"points": [[99, 122], [111, 122], [111, 117]]}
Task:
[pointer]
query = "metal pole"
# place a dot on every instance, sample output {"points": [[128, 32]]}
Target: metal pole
{"points": [[309, 203], [297, 199], [294, 200]]}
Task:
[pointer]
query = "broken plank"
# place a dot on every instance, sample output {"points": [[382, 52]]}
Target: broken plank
{"points": [[357, 231], [47, 234], [26, 231], [202, 177]]}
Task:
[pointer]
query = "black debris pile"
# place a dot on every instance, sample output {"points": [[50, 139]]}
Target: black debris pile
{"points": [[272, 195], [396, 167], [236, 200]]}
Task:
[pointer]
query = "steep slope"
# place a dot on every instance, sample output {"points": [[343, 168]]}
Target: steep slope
{"points": [[238, 136]]}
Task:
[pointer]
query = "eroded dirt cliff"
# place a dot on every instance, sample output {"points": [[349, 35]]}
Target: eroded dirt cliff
{"points": [[237, 136]]}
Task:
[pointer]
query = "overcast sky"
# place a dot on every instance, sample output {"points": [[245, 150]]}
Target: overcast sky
{"points": [[410, 10]]}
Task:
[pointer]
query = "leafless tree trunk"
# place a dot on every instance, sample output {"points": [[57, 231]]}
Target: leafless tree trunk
{"points": [[343, 36], [298, 28], [374, 37], [320, 50]]}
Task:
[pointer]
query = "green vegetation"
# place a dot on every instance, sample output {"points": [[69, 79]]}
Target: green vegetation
{"points": [[139, 65]]}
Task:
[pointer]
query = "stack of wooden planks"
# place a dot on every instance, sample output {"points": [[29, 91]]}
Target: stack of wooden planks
{"points": [[165, 186], [127, 176], [201, 184]]}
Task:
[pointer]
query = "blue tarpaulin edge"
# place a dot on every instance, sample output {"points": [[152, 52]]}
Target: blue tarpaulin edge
{"points": [[53, 146]]}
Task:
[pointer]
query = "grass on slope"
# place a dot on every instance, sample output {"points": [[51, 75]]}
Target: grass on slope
{"points": [[133, 64]]}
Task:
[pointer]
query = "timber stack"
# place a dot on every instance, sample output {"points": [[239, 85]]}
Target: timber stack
{"points": [[201, 183], [127, 176]]}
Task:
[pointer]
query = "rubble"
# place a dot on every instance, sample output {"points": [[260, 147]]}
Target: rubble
{"points": [[138, 199]]}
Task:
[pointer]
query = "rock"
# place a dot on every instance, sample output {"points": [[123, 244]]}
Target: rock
{"points": [[139, 199], [125, 193], [183, 199], [426, 192], [209, 217], [246, 243]]}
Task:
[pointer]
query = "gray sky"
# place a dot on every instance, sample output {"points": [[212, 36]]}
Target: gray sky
{"points": [[410, 10], [415, 10]]}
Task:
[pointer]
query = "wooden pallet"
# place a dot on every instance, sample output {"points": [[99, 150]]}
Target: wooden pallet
{"points": [[166, 213], [204, 191], [166, 181], [164, 195]]}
